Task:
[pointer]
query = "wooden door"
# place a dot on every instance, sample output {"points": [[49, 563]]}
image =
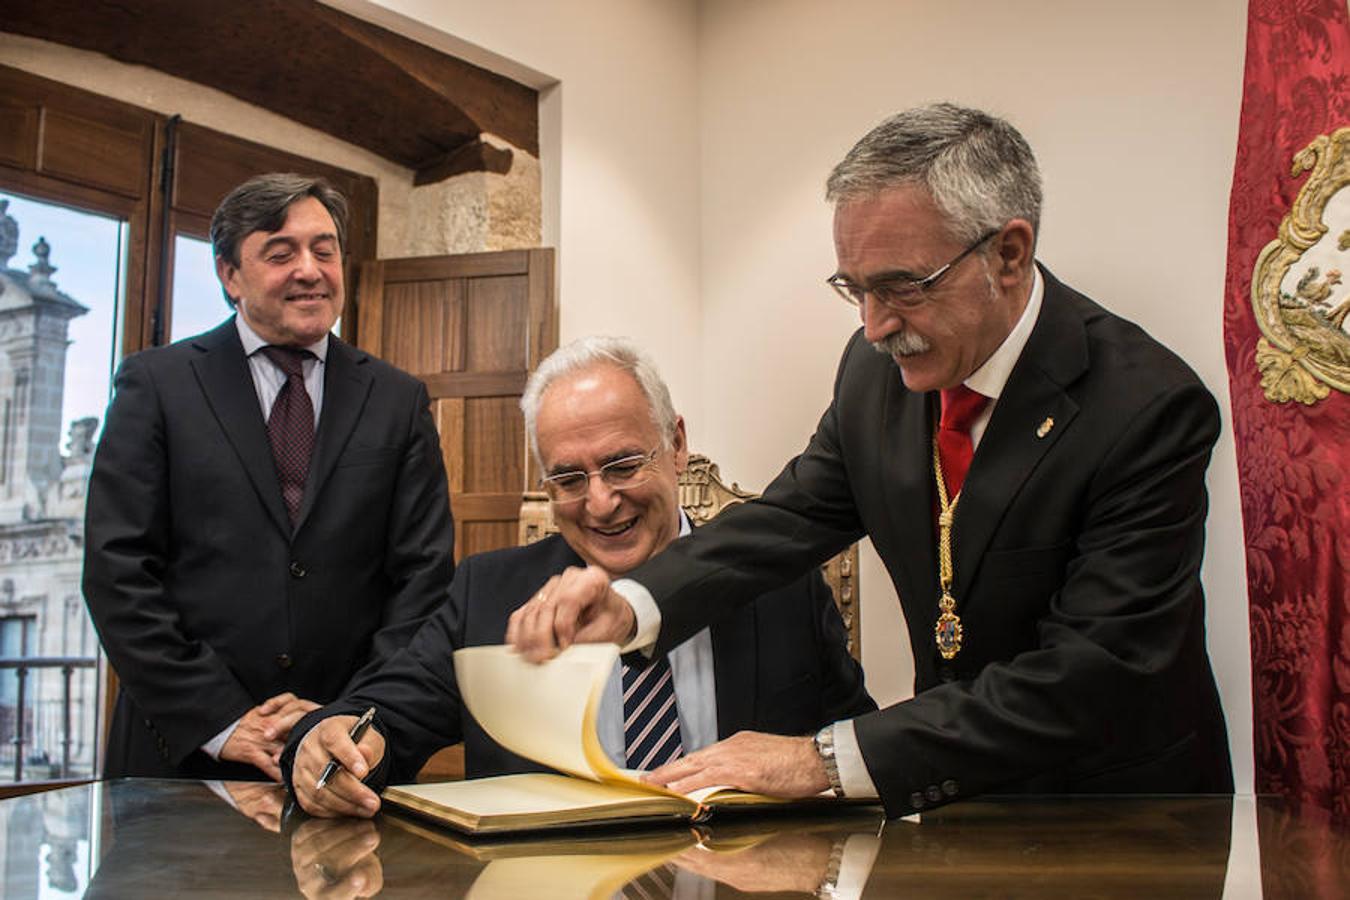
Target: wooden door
{"points": [[472, 327]]}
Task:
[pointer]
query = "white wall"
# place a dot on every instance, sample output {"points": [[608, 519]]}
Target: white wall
{"points": [[684, 152], [619, 135]]}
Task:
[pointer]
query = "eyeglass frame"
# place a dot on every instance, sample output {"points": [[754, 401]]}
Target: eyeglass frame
{"points": [[920, 286], [645, 466]]}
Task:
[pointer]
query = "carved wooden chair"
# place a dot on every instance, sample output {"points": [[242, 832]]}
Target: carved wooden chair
{"points": [[704, 494]]}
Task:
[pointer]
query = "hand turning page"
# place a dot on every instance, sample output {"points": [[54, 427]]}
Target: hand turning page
{"points": [[547, 712]]}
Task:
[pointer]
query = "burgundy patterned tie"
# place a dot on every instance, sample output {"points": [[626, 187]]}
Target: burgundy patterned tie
{"points": [[960, 408], [290, 426]]}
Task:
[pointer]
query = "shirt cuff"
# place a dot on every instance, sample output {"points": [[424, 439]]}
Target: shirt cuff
{"points": [[218, 788], [213, 747], [645, 612], [855, 865], [853, 774]]}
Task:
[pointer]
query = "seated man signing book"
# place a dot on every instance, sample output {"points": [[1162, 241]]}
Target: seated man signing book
{"points": [[602, 426]]}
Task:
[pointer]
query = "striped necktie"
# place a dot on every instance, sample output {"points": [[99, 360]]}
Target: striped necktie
{"points": [[651, 721], [658, 884]]}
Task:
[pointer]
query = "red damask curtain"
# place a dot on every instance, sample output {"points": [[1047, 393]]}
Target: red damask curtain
{"points": [[1287, 341]]}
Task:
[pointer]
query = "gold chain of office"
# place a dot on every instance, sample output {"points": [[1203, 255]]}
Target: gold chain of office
{"points": [[948, 630]]}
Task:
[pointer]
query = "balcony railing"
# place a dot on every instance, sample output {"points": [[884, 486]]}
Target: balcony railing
{"points": [[39, 735]]}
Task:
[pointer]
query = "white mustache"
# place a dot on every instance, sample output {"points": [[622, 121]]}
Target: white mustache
{"points": [[902, 343]]}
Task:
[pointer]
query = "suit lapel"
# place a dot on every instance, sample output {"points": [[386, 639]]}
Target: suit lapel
{"points": [[1033, 412], [908, 489], [347, 383], [223, 372]]}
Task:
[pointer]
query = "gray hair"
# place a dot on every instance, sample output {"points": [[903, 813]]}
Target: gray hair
{"points": [[586, 353], [978, 169], [260, 204]]}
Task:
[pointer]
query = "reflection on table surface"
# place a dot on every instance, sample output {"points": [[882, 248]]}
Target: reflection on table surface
{"points": [[143, 838]]}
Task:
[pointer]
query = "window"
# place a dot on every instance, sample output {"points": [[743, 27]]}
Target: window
{"points": [[62, 279], [198, 303]]}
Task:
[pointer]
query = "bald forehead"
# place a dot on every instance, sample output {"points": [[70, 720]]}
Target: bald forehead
{"points": [[574, 391]]}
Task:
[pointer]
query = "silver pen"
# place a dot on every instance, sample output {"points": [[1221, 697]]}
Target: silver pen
{"points": [[358, 731]]}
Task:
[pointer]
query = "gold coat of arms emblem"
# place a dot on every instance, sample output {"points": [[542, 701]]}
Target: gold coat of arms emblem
{"points": [[1298, 293]]}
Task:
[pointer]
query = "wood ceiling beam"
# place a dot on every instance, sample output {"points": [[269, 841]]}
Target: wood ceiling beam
{"points": [[474, 156], [402, 100]]}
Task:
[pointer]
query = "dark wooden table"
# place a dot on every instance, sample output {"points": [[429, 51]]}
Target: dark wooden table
{"points": [[139, 838]]}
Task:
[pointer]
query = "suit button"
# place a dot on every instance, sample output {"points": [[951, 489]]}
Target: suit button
{"points": [[284, 660], [949, 788], [297, 570], [916, 800], [934, 795]]}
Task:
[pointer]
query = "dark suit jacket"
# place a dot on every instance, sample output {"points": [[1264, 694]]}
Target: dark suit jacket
{"points": [[781, 664], [1077, 557], [206, 602]]}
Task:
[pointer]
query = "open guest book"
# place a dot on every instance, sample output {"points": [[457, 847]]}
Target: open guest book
{"points": [[547, 713]]}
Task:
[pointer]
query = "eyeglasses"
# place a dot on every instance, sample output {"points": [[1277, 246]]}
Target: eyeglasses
{"points": [[619, 475], [898, 292]]}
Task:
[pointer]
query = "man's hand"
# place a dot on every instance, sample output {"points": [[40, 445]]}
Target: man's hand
{"points": [[750, 761], [343, 794], [262, 732], [575, 607], [784, 863], [260, 801], [336, 859]]}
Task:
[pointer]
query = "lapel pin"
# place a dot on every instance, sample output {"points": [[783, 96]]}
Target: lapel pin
{"points": [[1044, 428]]}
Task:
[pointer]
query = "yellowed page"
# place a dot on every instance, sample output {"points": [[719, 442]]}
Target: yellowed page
{"points": [[562, 877], [547, 712], [533, 793], [544, 712]]}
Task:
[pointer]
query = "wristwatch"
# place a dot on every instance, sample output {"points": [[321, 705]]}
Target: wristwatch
{"points": [[824, 744], [828, 889]]}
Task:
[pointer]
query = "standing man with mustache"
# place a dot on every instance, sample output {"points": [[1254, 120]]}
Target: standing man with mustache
{"points": [[268, 513], [1031, 470]]}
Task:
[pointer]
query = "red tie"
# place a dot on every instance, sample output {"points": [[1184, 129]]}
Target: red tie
{"points": [[960, 408], [290, 426]]}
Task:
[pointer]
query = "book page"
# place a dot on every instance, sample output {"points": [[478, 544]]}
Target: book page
{"points": [[534, 793], [545, 712], [562, 877]]}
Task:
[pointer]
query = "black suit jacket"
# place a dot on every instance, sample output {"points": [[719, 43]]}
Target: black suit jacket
{"points": [[1077, 544], [781, 664], [206, 600]]}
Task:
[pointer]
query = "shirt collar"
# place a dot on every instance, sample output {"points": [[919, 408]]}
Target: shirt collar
{"points": [[990, 378], [253, 343]]}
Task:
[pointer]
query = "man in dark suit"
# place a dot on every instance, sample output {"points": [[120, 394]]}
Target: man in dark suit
{"points": [[1052, 593], [607, 436], [268, 513]]}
